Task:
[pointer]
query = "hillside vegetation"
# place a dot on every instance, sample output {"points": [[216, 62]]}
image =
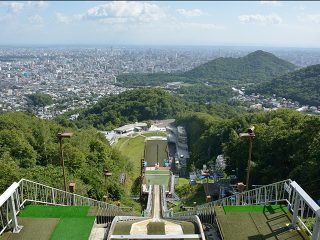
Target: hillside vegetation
{"points": [[286, 145], [29, 149], [302, 85], [256, 67], [132, 106]]}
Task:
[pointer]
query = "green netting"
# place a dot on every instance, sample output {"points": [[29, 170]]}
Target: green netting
{"points": [[73, 228], [54, 211], [255, 208]]}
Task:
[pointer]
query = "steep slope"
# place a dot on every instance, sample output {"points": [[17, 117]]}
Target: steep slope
{"points": [[302, 85], [257, 66]]}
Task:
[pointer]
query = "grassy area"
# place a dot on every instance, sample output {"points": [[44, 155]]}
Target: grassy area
{"points": [[73, 221], [156, 228], [54, 211], [73, 229], [158, 172], [183, 181], [255, 208], [157, 180], [43, 227], [150, 134]]}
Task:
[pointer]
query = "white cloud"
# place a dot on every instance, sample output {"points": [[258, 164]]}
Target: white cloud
{"points": [[15, 7], [259, 18], [313, 18], [38, 4], [274, 3], [36, 20], [190, 13], [126, 11], [62, 18]]}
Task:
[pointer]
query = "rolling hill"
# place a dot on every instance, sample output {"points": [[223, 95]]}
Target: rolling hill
{"points": [[257, 66]]}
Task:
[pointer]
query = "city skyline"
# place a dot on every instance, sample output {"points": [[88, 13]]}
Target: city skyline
{"points": [[255, 23]]}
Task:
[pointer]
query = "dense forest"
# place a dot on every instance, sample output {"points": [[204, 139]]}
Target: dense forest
{"points": [[302, 85], [29, 149], [286, 145], [153, 103], [256, 67], [131, 106]]}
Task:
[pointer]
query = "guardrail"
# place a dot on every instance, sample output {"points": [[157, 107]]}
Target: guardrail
{"points": [[165, 212], [305, 211], [18, 194], [148, 211], [9, 208]]}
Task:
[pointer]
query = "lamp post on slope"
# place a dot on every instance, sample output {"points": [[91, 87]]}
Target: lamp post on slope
{"points": [[249, 134], [60, 137]]}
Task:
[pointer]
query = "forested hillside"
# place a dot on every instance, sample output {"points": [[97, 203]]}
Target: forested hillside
{"points": [[256, 67], [302, 86], [286, 145], [29, 149], [132, 106]]}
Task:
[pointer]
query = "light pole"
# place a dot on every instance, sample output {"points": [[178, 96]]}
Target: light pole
{"points": [[60, 137], [106, 174], [249, 134]]}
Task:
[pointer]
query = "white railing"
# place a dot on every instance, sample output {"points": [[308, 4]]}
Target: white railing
{"points": [[30, 191], [165, 212], [272, 193], [305, 211], [9, 208], [26, 191]]}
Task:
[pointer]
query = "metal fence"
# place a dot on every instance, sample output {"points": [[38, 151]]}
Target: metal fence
{"points": [[148, 211], [25, 191], [305, 212]]}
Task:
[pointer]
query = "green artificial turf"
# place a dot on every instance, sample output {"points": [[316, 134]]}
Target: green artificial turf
{"points": [[156, 179], [74, 224], [43, 211], [167, 172], [255, 208], [73, 228]]}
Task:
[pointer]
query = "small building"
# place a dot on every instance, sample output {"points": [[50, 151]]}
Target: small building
{"points": [[131, 127]]}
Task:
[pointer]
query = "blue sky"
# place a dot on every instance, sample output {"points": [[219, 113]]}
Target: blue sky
{"points": [[239, 23]]}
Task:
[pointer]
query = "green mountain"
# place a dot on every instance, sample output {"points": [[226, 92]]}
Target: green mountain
{"points": [[257, 66], [302, 85], [131, 106]]}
